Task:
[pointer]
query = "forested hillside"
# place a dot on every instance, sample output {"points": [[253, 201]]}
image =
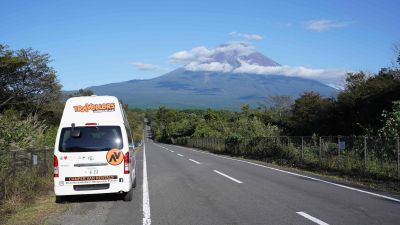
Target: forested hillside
{"points": [[369, 105]]}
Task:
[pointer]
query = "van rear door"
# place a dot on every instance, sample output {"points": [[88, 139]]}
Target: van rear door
{"points": [[91, 154]]}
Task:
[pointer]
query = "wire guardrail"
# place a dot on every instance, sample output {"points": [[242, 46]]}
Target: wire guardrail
{"points": [[375, 157], [14, 161]]}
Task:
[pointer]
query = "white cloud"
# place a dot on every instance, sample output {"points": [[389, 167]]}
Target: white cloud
{"points": [[325, 25], [202, 54], [331, 77], [144, 66], [211, 67], [248, 37]]}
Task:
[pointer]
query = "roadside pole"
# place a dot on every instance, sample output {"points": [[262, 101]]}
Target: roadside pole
{"points": [[365, 152], [398, 157], [302, 147], [320, 147]]}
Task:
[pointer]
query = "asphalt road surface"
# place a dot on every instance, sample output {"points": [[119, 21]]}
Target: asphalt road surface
{"points": [[178, 185]]}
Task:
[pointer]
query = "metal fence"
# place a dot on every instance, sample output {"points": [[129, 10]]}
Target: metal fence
{"points": [[375, 157], [14, 161]]}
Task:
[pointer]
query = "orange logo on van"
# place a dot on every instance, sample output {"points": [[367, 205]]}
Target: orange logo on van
{"points": [[115, 157], [105, 107]]}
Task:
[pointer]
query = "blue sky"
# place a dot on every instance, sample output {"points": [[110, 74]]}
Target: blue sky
{"points": [[99, 42]]}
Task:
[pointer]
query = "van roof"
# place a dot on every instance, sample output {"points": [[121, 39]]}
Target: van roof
{"points": [[92, 109]]}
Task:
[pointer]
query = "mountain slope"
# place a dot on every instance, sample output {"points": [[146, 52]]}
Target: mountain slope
{"points": [[187, 89], [210, 79]]}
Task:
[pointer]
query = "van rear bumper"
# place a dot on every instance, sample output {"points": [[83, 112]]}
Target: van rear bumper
{"points": [[87, 189]]}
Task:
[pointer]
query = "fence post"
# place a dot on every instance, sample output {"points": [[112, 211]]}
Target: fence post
{"points": [[14, 159], [45, 160], [302, 147], [30, 160], [398, 157], [320, 147], [365, 152], [338, 143]]}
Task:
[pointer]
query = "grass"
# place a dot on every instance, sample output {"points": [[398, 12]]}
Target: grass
{"points": [[23, 190], [37, 212]]}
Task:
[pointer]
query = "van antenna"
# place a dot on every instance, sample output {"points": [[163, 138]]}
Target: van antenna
{"points": [[73, 127]]}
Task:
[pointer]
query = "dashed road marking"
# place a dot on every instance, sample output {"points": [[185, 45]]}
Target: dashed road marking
{"points": [[194, 161], [229, 177], [315, 220]]}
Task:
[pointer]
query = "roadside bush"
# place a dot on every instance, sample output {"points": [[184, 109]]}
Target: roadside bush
{"points": [[20, 133], [21, 185]]}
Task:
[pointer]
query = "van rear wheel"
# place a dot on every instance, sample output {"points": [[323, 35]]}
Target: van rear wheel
{"points": [[59, 199], [128, 196]]}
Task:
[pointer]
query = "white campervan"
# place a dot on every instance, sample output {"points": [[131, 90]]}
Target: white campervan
{"points": [[94, 152]]}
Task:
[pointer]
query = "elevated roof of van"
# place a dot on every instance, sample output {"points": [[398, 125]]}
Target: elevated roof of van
{"points": [[92, 109]]}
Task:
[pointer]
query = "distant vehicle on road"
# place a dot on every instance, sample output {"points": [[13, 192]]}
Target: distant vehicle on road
{"points": [[94, 149]]}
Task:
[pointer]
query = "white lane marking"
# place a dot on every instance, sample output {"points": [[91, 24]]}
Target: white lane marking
{"points": [[171, 151], [194, 161], [161, 146], [146, 200], [180, 155], [229, 177], [299, 175], [315, 220]]}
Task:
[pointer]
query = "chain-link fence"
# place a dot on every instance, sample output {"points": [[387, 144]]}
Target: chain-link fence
{"points": [[374, 157], [12, 163]]}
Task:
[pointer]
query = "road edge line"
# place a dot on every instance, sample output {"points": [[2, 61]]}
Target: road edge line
{"points": [[146, 200]]}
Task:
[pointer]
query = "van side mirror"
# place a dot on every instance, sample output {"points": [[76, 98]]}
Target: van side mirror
{"points": [[76, 133]]}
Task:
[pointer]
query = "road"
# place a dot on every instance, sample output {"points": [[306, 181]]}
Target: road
{"points": [[185, 186]]}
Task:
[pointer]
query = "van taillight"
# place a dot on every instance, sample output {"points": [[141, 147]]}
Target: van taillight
{"points": [[56, 171], [90, 124], [126, 163]]}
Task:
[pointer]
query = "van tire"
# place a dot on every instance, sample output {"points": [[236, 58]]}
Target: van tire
{"points": [[59, 199], [128, 196]]}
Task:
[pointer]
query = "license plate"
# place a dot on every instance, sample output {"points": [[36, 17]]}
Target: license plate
{"points": [[91, 179]]}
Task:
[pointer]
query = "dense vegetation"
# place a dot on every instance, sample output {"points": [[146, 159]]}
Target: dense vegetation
{"points": [[31, 105]]}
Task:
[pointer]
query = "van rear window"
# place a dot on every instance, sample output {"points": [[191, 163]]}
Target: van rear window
{"points": [[86, 139]]}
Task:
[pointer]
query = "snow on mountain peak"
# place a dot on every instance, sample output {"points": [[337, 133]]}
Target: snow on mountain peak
{"points": [[241, 58]]}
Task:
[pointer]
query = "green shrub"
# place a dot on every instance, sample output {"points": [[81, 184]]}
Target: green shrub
{"points": [[20, 133]]}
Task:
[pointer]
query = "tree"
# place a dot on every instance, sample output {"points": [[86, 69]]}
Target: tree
{"points": [[281, 104], [310, 114], [81, 92], [27, 82], [359, 106], [391, 121]]}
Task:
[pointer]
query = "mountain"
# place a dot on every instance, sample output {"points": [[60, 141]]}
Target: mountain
{"points": [[201, 83]]}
